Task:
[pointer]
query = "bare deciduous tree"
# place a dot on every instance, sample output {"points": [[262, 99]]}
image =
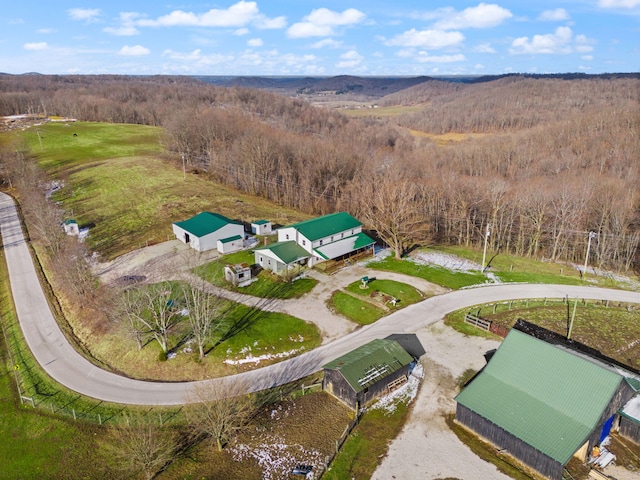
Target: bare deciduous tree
{"points": [[392, 204], [141, 447], [204, 312], [220, 411], [151, 309]]}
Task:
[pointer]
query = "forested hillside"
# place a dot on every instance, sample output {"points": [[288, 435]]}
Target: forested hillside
{"points": [[550, 159]]}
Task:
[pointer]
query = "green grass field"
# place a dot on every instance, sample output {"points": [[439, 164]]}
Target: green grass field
{"points": [[118, 184], [355, 309]]}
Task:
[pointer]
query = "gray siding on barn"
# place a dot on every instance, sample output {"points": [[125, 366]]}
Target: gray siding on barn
{"points": [[623, 394], [338, 386], [513, 445], [629, 429]]}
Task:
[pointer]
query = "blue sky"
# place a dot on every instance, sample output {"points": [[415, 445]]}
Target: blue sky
{"points": [[330, 37]]}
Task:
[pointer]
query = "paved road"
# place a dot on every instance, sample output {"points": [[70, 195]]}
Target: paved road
{"points": [[66, 366]]}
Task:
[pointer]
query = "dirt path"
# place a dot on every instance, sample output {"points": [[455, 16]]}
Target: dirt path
{"points": [[426, 447]]}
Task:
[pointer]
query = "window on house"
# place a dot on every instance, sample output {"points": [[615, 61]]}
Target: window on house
{"points": [[304, 242], [287, 236], [320, 242], [261, 259], [332, 238], [342, 235]]}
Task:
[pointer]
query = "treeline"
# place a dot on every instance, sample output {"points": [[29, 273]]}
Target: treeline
{"points": [[557, 158]]}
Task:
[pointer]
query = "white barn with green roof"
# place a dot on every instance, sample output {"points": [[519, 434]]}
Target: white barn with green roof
{"points": [[203, 232], [543, 403], [328, 237]]}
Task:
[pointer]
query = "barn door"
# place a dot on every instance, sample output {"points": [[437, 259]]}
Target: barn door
{"points": [[606, 429], [186, 238]]}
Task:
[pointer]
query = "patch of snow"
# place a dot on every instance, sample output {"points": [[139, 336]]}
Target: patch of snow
{"points": [[406, 393], [276, 458], [446, 260], [269, 356]]}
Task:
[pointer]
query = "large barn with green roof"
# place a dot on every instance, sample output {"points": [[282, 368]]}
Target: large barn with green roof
{"points": [[543, 403], [203, 231]]}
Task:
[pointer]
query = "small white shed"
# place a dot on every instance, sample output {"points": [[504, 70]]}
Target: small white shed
{"points": [[261, 227], [230, 244], [71, 227]]}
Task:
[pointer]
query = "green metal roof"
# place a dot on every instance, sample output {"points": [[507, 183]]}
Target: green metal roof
{"points": [[288, 252], [549, 397], [230, 239], [260, 222], [205, 223], [365, 365], [344, 246], [325, 226]]}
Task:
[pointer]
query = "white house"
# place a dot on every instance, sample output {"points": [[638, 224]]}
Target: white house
{"points": [[328, 237], [281, 257], [203, 231], [261, 227]]}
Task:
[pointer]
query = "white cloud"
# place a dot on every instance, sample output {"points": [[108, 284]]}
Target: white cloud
{"points": [[484, 48], [558, 42], [483, 16], [557, 15], [191, 56], [134, 51], [127, 25], [255, 42], [326, 42], [121, 31], [424, 57], [36, 46], [86, 14], [322, 22], [619, 3], [237, 15], [350, 59], [430, 39], [46, 31], [587, 57], [241, 31]]}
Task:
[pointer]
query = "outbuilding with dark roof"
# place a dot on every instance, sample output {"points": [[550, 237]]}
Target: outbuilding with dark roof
{"points": [[367, 372]]}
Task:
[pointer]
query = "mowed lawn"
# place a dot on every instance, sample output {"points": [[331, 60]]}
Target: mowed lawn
{"points": [[119, 183]]}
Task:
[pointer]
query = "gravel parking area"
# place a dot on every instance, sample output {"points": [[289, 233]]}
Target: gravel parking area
{"points": [[426, 448]]}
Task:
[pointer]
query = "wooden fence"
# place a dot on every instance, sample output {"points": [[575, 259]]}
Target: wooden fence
{"points": [[486, 325]]}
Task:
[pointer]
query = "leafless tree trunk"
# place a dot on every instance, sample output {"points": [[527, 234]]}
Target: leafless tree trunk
{"points": [[220, 412], [142, 447], [392, 205], [151, 309], [203, 312]]}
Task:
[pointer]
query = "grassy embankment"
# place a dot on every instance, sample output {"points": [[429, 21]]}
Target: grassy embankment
{"points": [[366, 305], [116, 182]]}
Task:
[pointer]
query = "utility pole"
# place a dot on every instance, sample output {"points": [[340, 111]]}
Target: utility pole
{"points": [[586, 257], [486, 238], [184, 169]]}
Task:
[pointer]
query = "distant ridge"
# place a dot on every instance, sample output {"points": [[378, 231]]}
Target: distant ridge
{"points": [[341, 84]]}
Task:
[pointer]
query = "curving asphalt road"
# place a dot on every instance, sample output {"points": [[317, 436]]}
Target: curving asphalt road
{"points": [[59, 359]]}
